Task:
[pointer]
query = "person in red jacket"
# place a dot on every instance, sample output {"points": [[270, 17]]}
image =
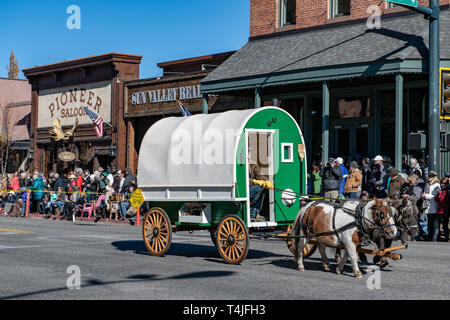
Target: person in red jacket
{"points": [[443, 202], [15, 183], [79, 181]]}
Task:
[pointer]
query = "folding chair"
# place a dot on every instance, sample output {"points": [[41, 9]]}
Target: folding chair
{"points": [[88, 208]]}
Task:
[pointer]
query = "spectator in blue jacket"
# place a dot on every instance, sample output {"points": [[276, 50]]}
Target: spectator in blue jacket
{"points": [[344, 171], [37, 190], [23, 197]]}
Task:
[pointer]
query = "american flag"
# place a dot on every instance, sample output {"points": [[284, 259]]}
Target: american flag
{"points": [[184, 111], [98, 122]]}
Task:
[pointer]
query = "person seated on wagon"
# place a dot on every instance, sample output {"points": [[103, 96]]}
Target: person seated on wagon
{"points": [[256, 191]]}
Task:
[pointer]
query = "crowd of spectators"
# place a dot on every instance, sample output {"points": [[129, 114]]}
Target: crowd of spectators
{"points": [[364, 178], [67, 195]]}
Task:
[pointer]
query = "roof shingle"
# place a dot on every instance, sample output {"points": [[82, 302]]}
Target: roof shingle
{"points": [[400, 38]]}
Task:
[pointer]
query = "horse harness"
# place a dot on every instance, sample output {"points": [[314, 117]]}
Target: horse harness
{"points": [[402, 224], [359, 222]]}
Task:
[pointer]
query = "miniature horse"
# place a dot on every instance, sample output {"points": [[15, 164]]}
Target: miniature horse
{"points": [[333, 227], [406, 216]]}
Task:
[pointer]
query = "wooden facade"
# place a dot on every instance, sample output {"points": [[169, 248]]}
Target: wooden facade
{"points": [[110, 70]]}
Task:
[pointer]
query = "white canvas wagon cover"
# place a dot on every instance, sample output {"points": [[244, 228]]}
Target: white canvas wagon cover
{"points": [[192, 158]]}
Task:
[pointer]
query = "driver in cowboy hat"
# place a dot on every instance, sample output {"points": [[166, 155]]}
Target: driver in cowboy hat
{"points": [[397, 183]]}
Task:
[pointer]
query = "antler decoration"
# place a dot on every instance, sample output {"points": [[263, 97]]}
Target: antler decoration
{"points": [[58, 134]]}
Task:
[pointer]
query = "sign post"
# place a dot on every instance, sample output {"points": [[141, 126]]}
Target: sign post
{"points": [[27, 204], [434, 135], [136, 200]]}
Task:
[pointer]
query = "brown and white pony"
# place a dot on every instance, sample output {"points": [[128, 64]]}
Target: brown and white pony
{"points": [[334, 226]]}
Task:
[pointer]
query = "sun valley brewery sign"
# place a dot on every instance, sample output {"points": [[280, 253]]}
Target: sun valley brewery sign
{"points": [[67, 104], [166, 95]]}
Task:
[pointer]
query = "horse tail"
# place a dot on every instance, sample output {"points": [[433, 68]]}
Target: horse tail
{"points": [[298, 227]]}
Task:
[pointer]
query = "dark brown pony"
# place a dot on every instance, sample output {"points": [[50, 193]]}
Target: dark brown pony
{"points": [[406, 217]]}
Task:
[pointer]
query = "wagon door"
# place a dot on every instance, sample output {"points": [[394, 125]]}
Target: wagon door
{"points": [[260, 152]]}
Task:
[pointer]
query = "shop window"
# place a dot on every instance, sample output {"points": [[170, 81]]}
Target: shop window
{"points": [[339, 8], [288, 12], [354, 107], [391, 5], [316, 129], [387, 132], [272, 103]]}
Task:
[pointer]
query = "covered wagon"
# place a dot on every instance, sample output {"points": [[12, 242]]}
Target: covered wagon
{"points": [[194, 174]]}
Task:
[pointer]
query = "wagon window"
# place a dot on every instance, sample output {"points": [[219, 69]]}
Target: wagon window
{"points": [[287, 151]]}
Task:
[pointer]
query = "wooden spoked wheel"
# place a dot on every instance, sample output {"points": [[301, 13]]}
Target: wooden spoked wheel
{"points": [[157, 232], [213, 234], [308, 250], [232, 239]]}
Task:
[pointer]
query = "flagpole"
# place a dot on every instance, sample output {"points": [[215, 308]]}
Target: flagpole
{"points": [[108, 123]]}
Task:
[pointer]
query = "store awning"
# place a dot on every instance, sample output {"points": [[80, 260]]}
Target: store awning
{"points": [[330, 52]]}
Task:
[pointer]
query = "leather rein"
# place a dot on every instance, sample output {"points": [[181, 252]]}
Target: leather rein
{"points": [[360, 221]]}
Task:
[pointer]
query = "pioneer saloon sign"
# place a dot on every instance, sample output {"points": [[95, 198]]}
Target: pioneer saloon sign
{"points": [[67, 104]]}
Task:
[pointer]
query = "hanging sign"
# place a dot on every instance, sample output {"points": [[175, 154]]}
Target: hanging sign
{"points": [[67, 156]]}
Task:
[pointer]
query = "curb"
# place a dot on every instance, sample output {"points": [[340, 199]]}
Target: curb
{"points": [[79, 219]]}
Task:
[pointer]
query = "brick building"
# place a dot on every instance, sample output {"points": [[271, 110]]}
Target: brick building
{"points": [[356, 88], [271, 16]]}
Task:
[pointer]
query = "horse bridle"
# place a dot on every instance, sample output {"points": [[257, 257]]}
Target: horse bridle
{"points": [[400, 220], [381, 216]]}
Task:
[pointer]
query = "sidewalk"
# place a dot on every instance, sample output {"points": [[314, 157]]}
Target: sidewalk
{"points": [[85, 219]]}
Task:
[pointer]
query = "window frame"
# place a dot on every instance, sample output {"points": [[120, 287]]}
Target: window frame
{"points": [[282, 13], [333, 8], [290, 159]]}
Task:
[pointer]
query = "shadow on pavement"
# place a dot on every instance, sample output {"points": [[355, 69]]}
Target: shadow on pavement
{"points": [[189, 250], [138, 278], [315, 264]]}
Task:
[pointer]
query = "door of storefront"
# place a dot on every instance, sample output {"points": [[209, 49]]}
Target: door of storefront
{"points": [[351, 139]]}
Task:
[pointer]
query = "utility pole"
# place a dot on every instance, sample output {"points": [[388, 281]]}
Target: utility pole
{"points": [[434, 134]]}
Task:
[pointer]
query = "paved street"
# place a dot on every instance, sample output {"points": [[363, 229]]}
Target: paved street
{"points": [[35, 255]]}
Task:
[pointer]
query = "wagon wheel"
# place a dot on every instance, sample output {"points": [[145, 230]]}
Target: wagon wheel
{"points": [[232, 239], [213, 234], [157, 232], [308, 250]]}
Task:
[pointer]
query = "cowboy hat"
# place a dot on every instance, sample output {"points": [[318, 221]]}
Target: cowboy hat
{"points": [[393, 172], [432, 174]]}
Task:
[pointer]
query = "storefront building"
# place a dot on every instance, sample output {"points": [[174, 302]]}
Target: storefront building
{"points": [[149, 100], [63, 136], [15, 110], [355, 91]]}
